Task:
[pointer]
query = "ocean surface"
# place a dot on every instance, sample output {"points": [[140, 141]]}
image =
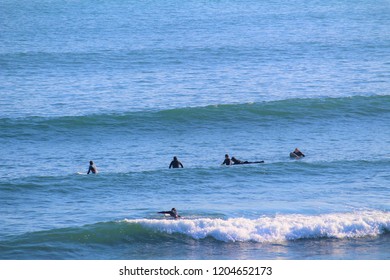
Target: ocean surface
{"points": [[130, 84]]}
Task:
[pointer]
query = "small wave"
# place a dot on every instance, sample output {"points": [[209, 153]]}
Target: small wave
{"points": [[290, 109], [276, 229]]}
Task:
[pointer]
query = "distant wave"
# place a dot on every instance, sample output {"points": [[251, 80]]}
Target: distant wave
{"points": [[266, 112]]}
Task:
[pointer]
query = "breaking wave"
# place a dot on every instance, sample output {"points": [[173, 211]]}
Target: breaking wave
{"points": [[276, 229]]}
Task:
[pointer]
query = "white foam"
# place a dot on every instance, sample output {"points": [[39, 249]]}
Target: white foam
{"points": [[278, 228]]}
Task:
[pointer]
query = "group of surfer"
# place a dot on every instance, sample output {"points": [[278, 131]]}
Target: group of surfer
{"points": [[175, 163]]}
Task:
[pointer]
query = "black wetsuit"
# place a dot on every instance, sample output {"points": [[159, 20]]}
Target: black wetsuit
{"points": [[176, 164], [227, 161], [92, 169], [172, 213], [297, 154], [237, 161], [300, 154]]}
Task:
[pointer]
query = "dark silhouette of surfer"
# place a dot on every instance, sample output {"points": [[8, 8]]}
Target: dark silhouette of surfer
{"points": [[297, 154], [92, 168], [175, 163], [227, 160], [173, 213], [237, 161]]}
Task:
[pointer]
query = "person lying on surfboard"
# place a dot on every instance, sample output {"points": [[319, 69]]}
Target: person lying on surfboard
{"points": [[173, 213], [297, 154], [237, 161]]}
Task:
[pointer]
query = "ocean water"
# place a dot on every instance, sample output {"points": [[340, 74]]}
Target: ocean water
{"points": [[130, 84]]}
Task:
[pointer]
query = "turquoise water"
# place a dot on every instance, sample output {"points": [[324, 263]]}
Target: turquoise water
{"points": [[130, 84]]}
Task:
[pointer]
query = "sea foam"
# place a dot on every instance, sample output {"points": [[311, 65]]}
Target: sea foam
{"points": [[276, 229]]}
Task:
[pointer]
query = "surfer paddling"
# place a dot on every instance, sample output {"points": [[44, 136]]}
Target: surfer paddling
{"points": [[237, 161], [297, 154], [173, 213]]}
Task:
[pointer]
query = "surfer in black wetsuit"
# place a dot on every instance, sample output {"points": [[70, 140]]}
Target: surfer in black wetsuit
{"points": [[175, 163], [173, 213], [92, 168], [297, 154], [237, 161], [227, 160]]}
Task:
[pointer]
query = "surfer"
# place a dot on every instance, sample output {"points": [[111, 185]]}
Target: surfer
{"points": [[173, 213], [92, 168], [175, 163], [237, 161], [227, 160], [297, 154]]}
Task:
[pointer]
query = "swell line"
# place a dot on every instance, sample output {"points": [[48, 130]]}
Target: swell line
{"points": [[290, 110]]}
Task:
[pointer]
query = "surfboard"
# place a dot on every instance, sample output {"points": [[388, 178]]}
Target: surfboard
{"points": [[251, 162]]}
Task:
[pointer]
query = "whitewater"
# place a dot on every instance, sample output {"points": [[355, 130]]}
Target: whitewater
{"points": [[277, 229]]}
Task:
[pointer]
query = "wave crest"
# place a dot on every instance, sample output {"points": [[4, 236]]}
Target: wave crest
{"points": [[276, 229]]}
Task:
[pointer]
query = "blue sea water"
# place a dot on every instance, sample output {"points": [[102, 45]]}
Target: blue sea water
{"points": [[130, 84]]}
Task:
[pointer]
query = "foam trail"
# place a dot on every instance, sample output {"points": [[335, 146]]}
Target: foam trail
{"points": [[277, 229]]}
